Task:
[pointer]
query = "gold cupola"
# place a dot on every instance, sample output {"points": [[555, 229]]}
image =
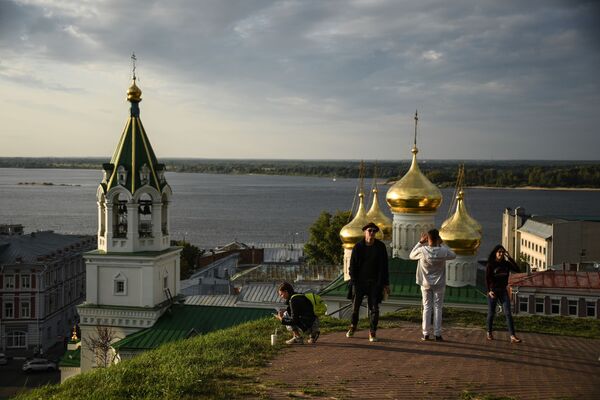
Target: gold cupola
{"points": [[134, 93], [379, 218], [352, 233], [414, 193], [461, 232]]}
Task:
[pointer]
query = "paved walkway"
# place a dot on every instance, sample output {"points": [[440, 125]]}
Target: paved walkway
{"points": [[400, 366]]}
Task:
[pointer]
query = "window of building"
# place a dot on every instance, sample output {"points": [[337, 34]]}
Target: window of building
{"points": [[120, 285], [9, 281], [544, 250], [555, 306], [25, 310], [165, 281], [25, 281], [16, 339], [9, 310], [590, 308], [523, 304], [539, 305], [573, 307]]}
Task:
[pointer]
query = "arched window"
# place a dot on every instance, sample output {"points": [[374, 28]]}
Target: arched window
{"points": [[122, 175], [164, 214], [120, 285], [144, 175], [102, 215], [145, 215], [120, 216]]}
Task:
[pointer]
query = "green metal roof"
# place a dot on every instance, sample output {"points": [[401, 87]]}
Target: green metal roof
{"points": [[403, 286], [183, 321], [133, 152], [71, 358]]}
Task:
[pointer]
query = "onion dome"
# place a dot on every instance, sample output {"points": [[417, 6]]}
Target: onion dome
{"points": [[134, 93], [461, 232], [380, 219], [414, 193], [352, 233]]}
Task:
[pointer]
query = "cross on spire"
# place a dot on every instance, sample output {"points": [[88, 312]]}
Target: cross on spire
{"points": [[416, 122], [133, 60]]}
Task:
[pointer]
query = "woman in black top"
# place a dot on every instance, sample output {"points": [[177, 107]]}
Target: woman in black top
{"points": [[499, 266]]}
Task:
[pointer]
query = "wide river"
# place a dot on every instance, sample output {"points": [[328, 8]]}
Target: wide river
{"points": [[210, 210]]}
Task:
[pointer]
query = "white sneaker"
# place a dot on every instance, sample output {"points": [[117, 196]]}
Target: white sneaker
{"points": [[295, 340]]}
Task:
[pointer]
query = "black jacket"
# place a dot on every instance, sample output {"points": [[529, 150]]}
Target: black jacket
{"points": [[381, 263], [300, 312], [496, 273]]}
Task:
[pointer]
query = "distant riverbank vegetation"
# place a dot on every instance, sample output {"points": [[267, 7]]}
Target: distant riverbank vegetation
{"points": [[544, 174]]}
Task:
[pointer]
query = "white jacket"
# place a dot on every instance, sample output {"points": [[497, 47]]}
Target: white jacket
{"points": [[431, 270]]}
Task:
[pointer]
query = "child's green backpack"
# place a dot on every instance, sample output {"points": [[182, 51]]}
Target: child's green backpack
{"points": [[319, 306]]}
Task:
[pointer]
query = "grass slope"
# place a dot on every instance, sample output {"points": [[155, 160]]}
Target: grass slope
{"points": [[225, 364]]}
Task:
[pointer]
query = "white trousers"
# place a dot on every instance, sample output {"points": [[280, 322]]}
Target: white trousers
{"points": [[433, 299]]}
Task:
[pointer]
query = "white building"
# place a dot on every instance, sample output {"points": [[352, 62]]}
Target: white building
{"points": [[545, 241], [134, 273]]}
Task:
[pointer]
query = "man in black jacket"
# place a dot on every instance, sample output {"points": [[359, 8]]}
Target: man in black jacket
{"points": [[299, 316], [369, 277]]}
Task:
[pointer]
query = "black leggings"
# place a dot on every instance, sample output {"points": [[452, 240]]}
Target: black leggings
{"points": [[372, 291]]}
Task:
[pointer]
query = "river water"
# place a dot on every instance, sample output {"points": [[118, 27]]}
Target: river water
{"points": [[210, 210]]}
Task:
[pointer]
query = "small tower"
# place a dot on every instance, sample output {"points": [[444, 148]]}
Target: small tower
{"points": [[462, 233], [376, 215], [413, 201], [133, 276]]}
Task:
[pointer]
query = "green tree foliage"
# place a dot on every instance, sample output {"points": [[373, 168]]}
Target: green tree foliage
{"points": [[188, 258], [324, 244]]}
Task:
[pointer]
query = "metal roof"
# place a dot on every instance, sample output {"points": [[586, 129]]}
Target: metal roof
{"points": [[33, 247], [289, 272], [537, 228], [403, 286], [557, 279], [182, 321], [219, 300]]}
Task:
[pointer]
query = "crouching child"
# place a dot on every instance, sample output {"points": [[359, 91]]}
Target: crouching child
{"points": [[299, 317]]}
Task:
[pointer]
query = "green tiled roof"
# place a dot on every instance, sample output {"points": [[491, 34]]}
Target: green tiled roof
{"points": [[132, 152], [183, 321], [71, 358], [404, 286]]}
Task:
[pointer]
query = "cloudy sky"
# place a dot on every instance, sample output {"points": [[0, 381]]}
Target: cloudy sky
{"points": [[303, 79]]}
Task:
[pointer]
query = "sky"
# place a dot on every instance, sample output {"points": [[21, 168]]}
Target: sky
{"points": [[303, 79]]}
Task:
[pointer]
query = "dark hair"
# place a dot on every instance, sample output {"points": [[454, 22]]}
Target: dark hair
{"points": [[492, 257], [434, 235], [286, 287]]}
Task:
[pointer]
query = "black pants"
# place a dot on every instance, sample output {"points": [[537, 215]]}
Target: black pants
{"points": [[373, 292]]}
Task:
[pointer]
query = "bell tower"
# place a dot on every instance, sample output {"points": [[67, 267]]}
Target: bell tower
{"points": [[134, 274]]}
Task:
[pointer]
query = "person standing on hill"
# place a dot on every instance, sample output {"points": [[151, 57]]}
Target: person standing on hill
{"points": [[369, 276], [431, 276], [499, 266]]}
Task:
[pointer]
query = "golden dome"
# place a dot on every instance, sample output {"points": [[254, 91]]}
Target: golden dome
{"points": [[134, 93], [461, 232], [380, 219], [352, 233], [414, 193]]}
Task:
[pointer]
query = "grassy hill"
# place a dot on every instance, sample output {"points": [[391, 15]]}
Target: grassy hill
{"points": [[225, 364]]}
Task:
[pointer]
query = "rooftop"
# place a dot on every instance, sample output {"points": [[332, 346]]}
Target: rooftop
{"points": [[38, 246], [558, 279]]}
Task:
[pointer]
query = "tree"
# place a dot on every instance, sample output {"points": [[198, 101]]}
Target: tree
{"points": [[189, 258], [324, 244], [100, 345]]}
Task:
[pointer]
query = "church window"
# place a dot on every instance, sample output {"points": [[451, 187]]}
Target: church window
{"points": [[144, 175], [164, 215], [120, 216], [145, 216], [120, 285], [122, 175], [165, 281]]}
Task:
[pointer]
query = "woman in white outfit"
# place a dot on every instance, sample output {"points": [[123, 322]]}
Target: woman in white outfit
{"points": [[431, 276]]}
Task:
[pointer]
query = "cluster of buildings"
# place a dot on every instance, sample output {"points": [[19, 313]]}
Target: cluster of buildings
{"points": [[124, 285]]}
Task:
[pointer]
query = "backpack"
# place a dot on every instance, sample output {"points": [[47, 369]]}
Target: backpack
{"points": [[319, 307]]}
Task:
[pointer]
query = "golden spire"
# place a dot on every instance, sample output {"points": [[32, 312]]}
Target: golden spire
{"points": [[461, 232], [134, 93], [414, 193], [352, 232], [377, 216]]}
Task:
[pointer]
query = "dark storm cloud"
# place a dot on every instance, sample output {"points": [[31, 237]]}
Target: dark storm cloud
{"points": [[504, 63]]}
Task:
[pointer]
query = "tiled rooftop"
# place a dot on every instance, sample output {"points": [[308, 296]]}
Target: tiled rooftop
{"points": [[558, 279]]}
